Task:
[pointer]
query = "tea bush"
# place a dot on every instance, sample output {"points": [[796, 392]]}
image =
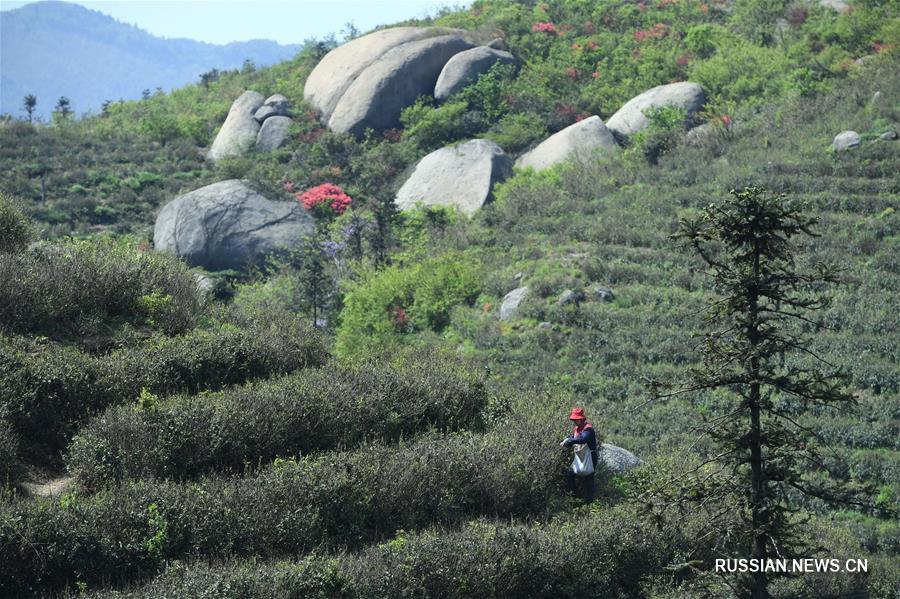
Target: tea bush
{"points": [[336, 405], [340, 499], [15, 229], [48, 389], [82, 288]]}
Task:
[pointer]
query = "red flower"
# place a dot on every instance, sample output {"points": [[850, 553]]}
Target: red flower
{"points": [[572, 73], [288, 186], [327, 194], [684, 59], [543, 27], [595, 75], [399, 318]]}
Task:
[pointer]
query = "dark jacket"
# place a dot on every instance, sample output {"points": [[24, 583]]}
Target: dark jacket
{"points": [[584, 435]]}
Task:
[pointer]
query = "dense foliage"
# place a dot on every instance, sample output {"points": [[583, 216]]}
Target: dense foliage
{"points": [[339, 404], [783, 80]]}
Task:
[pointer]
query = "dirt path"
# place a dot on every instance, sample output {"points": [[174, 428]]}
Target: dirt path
{"points": [[53, 487]]}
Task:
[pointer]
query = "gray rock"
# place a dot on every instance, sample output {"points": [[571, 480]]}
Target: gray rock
{"points": [[630, 119], [464, 68], [876, 98], [888, 136], [846, 140], [603, 293], [545, 325], [273, 133], [238, 133], [460, 175], [581, 139], [393, 82], [617, 459], [838, 5], [339, 68], [276, 105], [205, 283], [569, 297], [510, 306], [228, 225], [497, 44]]}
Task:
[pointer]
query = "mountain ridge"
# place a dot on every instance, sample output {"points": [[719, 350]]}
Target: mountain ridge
{"points": [[46, 46]]}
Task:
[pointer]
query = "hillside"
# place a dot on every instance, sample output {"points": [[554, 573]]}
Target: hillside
{"points": [[368, 414], [52, 49]]}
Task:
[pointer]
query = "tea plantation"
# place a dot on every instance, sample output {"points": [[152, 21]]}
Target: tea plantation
{"points": [[354, 418]]}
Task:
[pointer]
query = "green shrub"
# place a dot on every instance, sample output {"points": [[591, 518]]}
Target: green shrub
{"points": [[83, 288], [340, 404], [386, 304], [340, 500], [9, 455], [482, 559], [48, 389], [433, 127], [15, 229]]}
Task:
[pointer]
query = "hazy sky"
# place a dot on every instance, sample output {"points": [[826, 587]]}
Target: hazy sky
{"points": [[285, 21]]}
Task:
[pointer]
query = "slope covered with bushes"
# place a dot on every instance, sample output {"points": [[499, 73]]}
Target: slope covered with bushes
{"points": [[477, 509]]}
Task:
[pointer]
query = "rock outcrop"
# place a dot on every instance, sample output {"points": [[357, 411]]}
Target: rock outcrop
{"points": [[463, 69], [227, 225], [510, 306], [238, 133], [631, 118], [340, 67], [461, 176], [272, 133], [583, 138], [393, 82], [846, 140], [617, 459], [276, 105]]}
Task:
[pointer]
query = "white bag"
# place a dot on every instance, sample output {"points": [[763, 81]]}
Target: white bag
{"points": [[583, 462]]}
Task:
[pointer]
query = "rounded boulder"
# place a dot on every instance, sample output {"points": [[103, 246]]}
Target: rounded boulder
{"points": [[228, 225], [238, 133], [632, 117], [462, 176], [581, 139], [464, 68]]}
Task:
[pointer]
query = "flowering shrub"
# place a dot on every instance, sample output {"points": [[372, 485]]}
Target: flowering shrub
{"points": [[325, 195], [543, 28], [658, 31]]}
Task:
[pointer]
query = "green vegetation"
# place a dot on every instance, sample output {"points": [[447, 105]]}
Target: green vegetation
{"points": [[339, 499], [339, 404], [176, 472]]}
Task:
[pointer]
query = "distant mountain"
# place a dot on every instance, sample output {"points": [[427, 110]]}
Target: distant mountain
{"points": [[52, 49]]}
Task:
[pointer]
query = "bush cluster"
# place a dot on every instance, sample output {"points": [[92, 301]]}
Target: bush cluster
{"points": [[47, 389], [83, 287], [340, 499], [601, 554], [337, 405], [15, 229], [385, 304]]}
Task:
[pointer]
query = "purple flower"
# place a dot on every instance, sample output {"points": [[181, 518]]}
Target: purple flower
{"points": [[321, 323], [332, 248]]}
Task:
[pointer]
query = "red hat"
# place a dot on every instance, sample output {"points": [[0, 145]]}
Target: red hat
{"points": [[577, 414]]}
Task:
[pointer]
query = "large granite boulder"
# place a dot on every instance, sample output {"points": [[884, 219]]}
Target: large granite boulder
{"points": [[393, 82], [228, 225], [272, 133], [340, 67], [275, 105], [510, 306], [238, 133], [846, 140], [583, 138], [617, 459], [461, 175], [630, 119], [464, 68]]}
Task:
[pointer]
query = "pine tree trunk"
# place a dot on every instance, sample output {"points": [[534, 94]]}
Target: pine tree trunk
{"points": [[757, 482]]}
